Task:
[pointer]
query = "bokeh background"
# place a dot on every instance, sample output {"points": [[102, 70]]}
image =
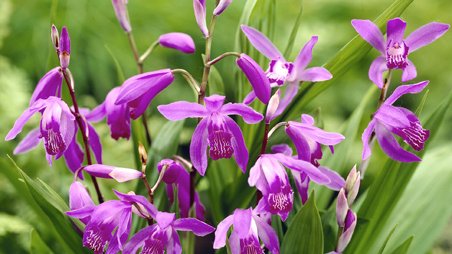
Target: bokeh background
{"points": [[99, 46]]}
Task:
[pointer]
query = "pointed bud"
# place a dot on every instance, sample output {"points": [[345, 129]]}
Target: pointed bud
{"points": [[341, 208], [272, 107], [350, 224], [110, 172], [352, 184], [121, 14], [222, 5], [199, 7], [178, 41], [79, 199], [54, 35], [256, 77], [65, 48]]}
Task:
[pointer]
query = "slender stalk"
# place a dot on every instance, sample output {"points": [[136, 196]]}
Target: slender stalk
{"points": [[144, 161], [265, 138], [82, 127], [148, 52], [189, 78], [206, 72], [222, 56]]}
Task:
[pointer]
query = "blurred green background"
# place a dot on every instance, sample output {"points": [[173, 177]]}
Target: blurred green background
{"points": [[26, 54]]}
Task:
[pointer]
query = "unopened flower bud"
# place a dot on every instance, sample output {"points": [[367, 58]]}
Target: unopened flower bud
{"points": [[120, 7], [341, 208], [222, 5], [272, 107], [352, 184], [65, 48], [55, 37], [178, 41], [349, 228], [256, 77]]}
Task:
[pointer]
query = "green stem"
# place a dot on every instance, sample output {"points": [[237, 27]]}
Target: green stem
{"points": [[206, 72], [148, 52], [222, 56]]}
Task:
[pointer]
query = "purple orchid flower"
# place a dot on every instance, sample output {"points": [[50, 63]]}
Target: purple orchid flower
{"points": [[199, 7], [57, 127], [49, 85], [177, 177], [389, 120], [163, 235], [395, 50], [216, 129], [222, 5], [256, 77], [178, 41], [308, 141], [120, 7], [117, 115], [138, 91], [64, 48], [80, 201], [270, 177], [280, 70], [112, 172], [248, 227]]}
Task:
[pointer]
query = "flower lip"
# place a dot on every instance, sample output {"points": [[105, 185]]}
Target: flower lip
{"points": [[278, 72], [220, 145], [396, 55], [250, 245]]}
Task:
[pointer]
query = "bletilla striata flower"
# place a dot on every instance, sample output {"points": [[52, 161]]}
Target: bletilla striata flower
{"points": [[80, 201], [57, 127], [178, 41], [395, 50], [216, 130], [163, 234], [256, 77], [111, 172], [389, 120], [117, 115], [120, 7], [270, 177], [177, 178], [138, 91], [281, 71], [308, 140], [248, 228], [49, 85]]}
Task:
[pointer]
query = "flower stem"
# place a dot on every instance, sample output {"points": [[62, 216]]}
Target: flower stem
{"points": [[206, 72], [144, 162], [222, 56], [70, 84], [145, 55], [189, 78], [265, 138]]}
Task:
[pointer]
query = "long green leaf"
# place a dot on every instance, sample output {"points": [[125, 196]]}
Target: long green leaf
{"points": [[305, 234], [348, 56], [37, 245], [404, 247], [385, 243], [294, 33], [386, 191]]}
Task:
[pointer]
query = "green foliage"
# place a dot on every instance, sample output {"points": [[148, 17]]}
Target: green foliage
{"points": [[37, 245]]}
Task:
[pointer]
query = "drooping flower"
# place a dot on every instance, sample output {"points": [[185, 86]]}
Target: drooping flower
{"points": [[281, 71], [216, 129], [64, 48], [163, 235], [395, 49], [49, 85], [248, 228], [112, 172], [57, 127], [80, 201], [177, 177], [222, 5], [270, 178], [308, 140], [120, 7], [138, 91], [256, 77], [178, 41], [199, 7], [389, 120], [117, 115]]}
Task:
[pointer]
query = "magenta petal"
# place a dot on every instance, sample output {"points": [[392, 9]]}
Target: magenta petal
{"points": [[121, 14], [256, 77], [282, 148], [79, 199], [370, 33], [315, 74], [391, 147], [222, 231], [29, 142], [267, 234], [97, 114], [262, 43], [300, 142], [303, 166], [132, 246], [178, 41], [406, 89], [238, 143], [395, 30], [376, 70], [49, 85], [117, 173], [74, 157], [304, 57], [181, 109], [94, 143], [198, 147], [289, 94], [26, 115], [174, 246], [272, 106], [409, 72], [196, 226], [249, 98], [222, 5], [249, 115], [426, 35], [336, 180], [199, 7], [242, 222], [366, 139], [214, 102]]}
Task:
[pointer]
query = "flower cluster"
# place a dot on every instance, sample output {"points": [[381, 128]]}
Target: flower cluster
{"points": [[218, 136]]}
